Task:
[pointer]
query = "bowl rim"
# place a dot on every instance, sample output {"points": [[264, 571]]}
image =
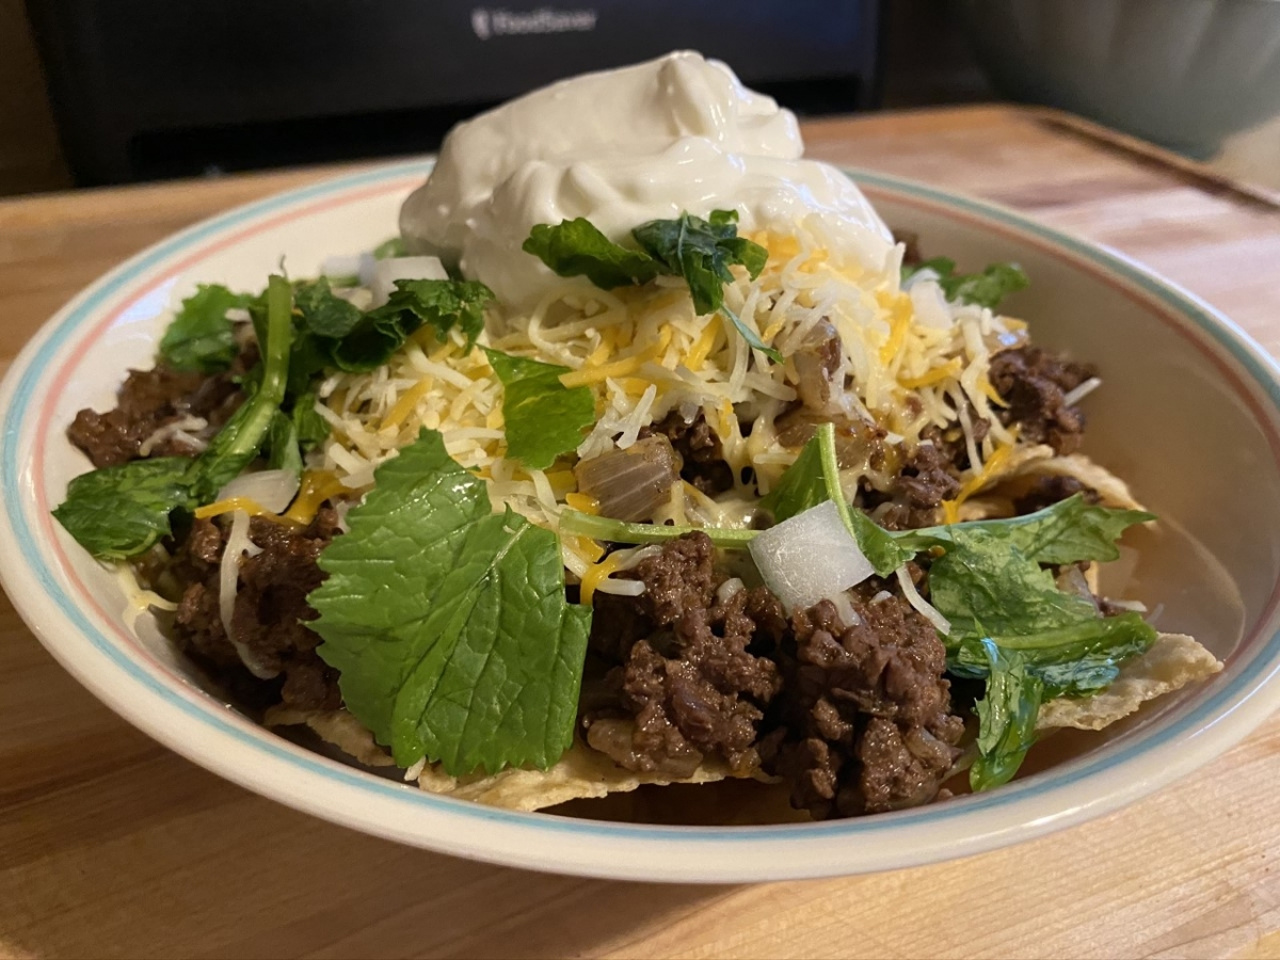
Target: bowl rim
{"points": [[198, 727]]}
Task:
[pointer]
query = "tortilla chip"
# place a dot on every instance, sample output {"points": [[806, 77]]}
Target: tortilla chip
{"points": [[582, 773], [336, 727], [1113, 491], [1173, 661], [985, 508]]}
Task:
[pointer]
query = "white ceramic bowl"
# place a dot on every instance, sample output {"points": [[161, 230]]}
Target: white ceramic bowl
{"points": [[1189, 414]]}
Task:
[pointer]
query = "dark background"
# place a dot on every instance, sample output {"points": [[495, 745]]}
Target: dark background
{"points": [[922, 59]]}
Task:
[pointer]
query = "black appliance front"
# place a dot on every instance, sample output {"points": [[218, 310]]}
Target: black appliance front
{"points": [[145, 89]]}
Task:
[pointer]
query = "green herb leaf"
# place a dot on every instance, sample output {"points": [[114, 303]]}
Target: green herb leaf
{"points": [[448, 622], [334, 333], [282, 444], [441, 304], [985, 289], [575, 248], [1006, 719], [801, 487], [620, 531], [201, 338], [241, 438], [1074, 660], [312, 428], [700, 251], [1069, 531], [815, 477], [118, 512], [390, 248], [542, 417], [322, 312]]}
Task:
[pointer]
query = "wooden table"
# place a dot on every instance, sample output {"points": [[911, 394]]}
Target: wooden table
{"points": [[112, 845]]}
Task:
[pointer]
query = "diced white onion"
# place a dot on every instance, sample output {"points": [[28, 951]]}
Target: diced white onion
{"points": [[416, 770], [844, 607], [341, 266], [1072, 397], [728, 590], [386, 272], [272, 489], [809, 557], [1137, 606], [921, 605], [238, 544]]}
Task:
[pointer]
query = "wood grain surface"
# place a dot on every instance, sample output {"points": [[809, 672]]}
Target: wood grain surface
{"points": [[110, 845]]}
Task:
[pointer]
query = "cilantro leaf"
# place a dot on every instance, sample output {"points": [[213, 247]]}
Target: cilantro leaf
{"points": [[449, 623], [1046, 642], [201, 338], [985, 289], [322, 312], [575, 248], [334, 333], [542, 417], [118, 512], [700, 251]]}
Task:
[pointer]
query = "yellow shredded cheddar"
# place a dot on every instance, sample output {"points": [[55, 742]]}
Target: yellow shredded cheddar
{"points": [[408, 400], [952, 368], [899, 308], [951, 508], [595, 574], [252, 507], [583, 503], [317, 487], [697, 356]]}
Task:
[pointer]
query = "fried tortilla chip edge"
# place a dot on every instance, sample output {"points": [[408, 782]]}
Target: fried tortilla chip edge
{"points": [[582, 773]]}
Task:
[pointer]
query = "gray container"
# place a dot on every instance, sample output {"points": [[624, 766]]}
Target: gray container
{"points": [[1182, 73]]}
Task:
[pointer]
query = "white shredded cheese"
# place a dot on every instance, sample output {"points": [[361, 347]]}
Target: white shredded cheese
{"points": [[919, 603], [238, 545]]}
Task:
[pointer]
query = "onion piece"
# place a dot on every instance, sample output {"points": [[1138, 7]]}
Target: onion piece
{"points": [[630, 484], [341, 266], [385, 273], [272, 489], [810, 557], [238, 544]]}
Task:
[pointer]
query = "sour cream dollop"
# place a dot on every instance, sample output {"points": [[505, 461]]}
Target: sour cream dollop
{"points": [[622, 147]]}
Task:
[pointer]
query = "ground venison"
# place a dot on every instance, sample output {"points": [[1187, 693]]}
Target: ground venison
{"points": [[684, 682], [1034, 384], [151, 399], [701, 454], [865, 723], [270, 611]]}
